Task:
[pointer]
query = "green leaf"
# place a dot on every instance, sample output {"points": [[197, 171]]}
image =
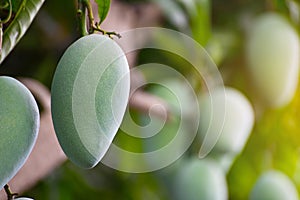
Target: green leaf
{"points": [[103, 8], [201, 21], [281, 5], [24, 16], [16, 5], [173, 13], [199, 16]]}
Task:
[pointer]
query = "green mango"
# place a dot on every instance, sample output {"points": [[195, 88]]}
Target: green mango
{"points": [[272, 54], [19, 124], [200, 179], [274, 185], [89, 95], [228, 128]]}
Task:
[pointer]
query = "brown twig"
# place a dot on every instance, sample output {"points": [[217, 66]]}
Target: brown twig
{"points": [[9, 193]]}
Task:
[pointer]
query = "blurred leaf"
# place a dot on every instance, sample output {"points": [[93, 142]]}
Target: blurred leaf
{"points": [[174, 13], [201, 21], [28, 9], [103, 8], [280, 4], [189, 5], [223, 45], [199, 12], [294, 10]]}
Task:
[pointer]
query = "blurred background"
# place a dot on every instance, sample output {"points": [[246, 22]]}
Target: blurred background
{"points": [[222, 28]]}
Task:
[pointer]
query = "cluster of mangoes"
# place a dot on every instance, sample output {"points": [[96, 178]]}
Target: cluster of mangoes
{"points": [[90, 91], [92, 77], [192, 177], [227, 117]]}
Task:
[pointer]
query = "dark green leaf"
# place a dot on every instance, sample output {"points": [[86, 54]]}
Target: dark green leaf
{"points": [[281, 5], [103, 8], [15, 5], [14, 32]]}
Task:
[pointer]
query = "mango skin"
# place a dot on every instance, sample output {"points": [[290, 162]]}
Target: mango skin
{"points": [[89, 95], [19, 125], [272, 54], [274, 185], [200, 179]]}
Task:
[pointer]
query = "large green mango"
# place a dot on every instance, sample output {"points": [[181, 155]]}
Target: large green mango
{"points": [[19, 124], [89, 96]]}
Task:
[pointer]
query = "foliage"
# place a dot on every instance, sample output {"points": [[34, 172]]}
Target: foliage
{"points": [[22, 18], [103, 8]]}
